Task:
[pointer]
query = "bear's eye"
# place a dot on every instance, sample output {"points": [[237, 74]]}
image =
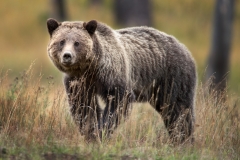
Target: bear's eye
{"points": [[62, 42], [76, 44]]}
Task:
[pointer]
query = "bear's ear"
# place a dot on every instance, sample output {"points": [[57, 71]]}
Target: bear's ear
{"points": [[52, 24], [90, 26]]}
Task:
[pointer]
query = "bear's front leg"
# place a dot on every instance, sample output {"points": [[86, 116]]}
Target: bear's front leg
{"points": [[83, 107], [118, 107]]}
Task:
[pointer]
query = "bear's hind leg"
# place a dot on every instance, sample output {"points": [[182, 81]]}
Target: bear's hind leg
{"points": [[179, 123]]}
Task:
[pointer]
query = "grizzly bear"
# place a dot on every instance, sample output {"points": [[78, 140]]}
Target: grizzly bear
{"points": [[119, 67]]}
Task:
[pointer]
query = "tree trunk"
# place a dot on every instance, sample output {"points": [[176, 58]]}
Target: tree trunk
{"points": [[133, 12], [96, 2], [58, 9], [218, 61]]}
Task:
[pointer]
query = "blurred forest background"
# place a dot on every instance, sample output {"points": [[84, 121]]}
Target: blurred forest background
{"points": [[24, 36]]}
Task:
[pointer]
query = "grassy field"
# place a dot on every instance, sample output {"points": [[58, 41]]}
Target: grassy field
{"points": [[34, 118], [35, 123]]}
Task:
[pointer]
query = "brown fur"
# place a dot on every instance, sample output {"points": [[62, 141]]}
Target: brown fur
{"points": [[123, 66]]}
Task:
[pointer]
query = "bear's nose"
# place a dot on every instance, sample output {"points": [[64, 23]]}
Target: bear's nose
{"points": [[67, 57]]}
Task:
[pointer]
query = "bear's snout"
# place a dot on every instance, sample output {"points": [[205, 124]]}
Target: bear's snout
{"points": [[67, 58]]}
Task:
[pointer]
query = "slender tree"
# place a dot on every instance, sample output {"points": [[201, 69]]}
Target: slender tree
{"points": [[218, 61], [58, 9], [133, 12]]}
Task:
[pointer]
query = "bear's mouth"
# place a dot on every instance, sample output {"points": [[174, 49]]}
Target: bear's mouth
{"points": [[66, 64], [79, 67], [70, 66]]}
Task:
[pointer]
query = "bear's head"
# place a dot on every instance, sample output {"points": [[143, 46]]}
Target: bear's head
{"points": [[71, 45]]}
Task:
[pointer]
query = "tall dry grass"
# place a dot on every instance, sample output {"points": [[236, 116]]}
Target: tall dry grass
{"points": [[31, 113], [37, 116]]}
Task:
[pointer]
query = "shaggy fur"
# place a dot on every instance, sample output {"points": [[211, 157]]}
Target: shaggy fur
{"points": [[138, 64]]}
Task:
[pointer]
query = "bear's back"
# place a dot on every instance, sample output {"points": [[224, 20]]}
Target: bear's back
{"points": [[152, 53]]}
